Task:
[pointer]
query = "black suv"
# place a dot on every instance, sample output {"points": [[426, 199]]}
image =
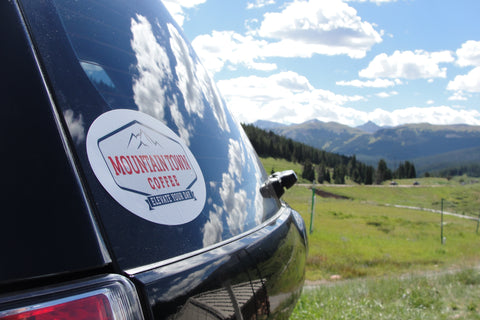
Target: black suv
{"points": [[129, 190]]}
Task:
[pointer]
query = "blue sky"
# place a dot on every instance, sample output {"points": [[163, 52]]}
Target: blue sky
{"points": [[387, 61]]}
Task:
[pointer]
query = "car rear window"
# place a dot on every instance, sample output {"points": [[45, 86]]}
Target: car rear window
{"points": [[107, 60]]}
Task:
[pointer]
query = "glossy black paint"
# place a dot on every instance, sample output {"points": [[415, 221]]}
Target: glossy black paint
{"points": [[45, 225], [71, 36], [243, 257], [260, 274]]}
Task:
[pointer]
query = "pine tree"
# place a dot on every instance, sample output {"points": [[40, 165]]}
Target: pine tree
{"points": [[355, 176], [369, 175], [352, 165], [308, 171], [321, 173], [339, 174], [381, 173], [410, 171], [328, 177]]}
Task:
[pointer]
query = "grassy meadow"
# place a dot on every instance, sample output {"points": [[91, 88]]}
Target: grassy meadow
{"points": [[360, 237], [444, 296], [374, 248]]}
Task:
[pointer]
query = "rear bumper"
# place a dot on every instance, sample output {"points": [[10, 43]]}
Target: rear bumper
{"points": [[259, 274]]}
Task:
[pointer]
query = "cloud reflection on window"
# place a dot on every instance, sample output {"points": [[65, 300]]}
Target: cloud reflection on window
{"points": [[235, 202], [154, 73], [238, 203], [213, 229], [75, 125], [194, 81], [186, 73], [259, 213], [153, 92], [253, 161], [172, 85]]}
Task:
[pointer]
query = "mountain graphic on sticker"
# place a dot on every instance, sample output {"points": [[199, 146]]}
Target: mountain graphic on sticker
{"points": [[141, 139]]}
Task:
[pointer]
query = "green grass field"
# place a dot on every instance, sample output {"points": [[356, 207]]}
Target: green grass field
{"points": [[363, 237], [445, 296], [358, 238], [280, 165]]}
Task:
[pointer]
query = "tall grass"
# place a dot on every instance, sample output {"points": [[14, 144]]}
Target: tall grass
{"points": [[445, 296]]}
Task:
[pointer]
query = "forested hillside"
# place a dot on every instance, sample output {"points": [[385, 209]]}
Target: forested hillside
{"points": [[322, 165], [269, 144], [434, 149]]}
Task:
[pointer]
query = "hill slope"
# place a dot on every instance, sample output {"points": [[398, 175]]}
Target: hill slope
{"points": [[435, 147]]}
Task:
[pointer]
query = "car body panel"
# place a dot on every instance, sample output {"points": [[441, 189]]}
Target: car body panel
{"points": [[241, 256], [250, 274]]}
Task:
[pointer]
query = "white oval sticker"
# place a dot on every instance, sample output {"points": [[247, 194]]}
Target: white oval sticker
{"points": [[146, 167]]}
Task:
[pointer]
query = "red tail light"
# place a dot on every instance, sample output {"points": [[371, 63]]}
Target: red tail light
{"points": [[108, 298], [95, 307]]}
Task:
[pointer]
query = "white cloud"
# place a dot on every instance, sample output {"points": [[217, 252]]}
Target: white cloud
{"points": [[259, 3], [177, 8], [377, 83], [302, 29], [312, 27], [185, 3], [433, 115], [469, 54], [284, 97], [378, 2], [288, 97], [458, 96], [386, 94], [230, 48], [469, 82], [417, 64], [382, 95]]}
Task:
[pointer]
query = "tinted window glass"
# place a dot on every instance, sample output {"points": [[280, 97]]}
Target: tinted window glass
{"points": [[104, 55], [45, 227]]}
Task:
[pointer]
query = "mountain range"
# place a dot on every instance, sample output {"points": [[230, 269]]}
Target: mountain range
{"points": [[429, 147]]}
